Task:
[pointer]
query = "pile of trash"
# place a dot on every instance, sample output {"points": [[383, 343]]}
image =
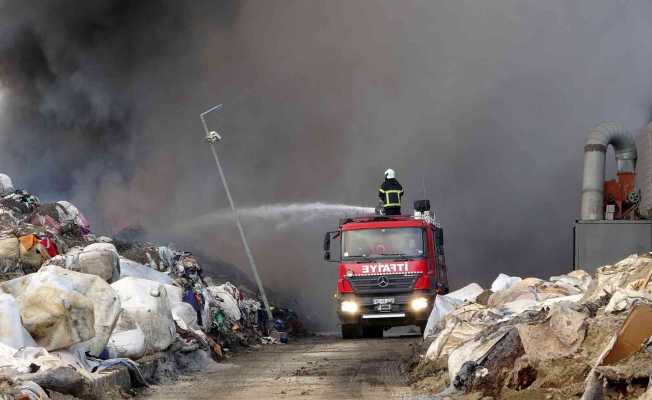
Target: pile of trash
{"points": [[73, 304], [574, 336]]}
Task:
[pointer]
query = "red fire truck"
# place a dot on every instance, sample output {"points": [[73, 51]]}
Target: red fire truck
{"points": [[390, 270]]}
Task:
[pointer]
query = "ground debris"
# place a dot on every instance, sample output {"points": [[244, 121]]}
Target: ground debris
{"points": [[546, 339]]}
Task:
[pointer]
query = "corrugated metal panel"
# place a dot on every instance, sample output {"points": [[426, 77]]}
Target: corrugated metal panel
{"points": [[644, 168], [599, 243]]}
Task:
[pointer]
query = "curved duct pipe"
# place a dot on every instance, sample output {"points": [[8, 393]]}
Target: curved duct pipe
{"points": [[607, 133]]}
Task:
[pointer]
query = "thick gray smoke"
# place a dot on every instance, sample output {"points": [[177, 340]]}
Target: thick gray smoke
{"points": [[487, 103]]}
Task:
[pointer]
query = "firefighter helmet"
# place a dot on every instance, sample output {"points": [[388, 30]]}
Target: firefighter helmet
{"points": [[390, 174]]}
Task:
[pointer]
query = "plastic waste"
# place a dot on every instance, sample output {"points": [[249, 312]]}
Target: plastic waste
{"points": [[127, 344], [135, 374], [219, 320], [146, 303], [575, 282], [531, 289], [472, 350], [175, 294], [167, 256], [6, 185], [9, 248], [129, 268], [27, 249], [32, 391], [446, 304], [100, 259], [69, 213], [559, 336], [185, 313], [460, 326], [12, 332], [104, 301], [610, 278], [503, 282], [20, 202], [283, 337], [520, 306], [488, 361], [56, 316], [7, 219], [27, 360], [226, 296], [625, 299]]}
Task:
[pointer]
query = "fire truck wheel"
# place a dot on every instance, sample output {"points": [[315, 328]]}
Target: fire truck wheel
{"points": [[351, 331], [372, 332]]}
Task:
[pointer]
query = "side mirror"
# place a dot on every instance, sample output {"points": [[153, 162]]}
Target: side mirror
{"points": [[327, 244], [327, 241]]}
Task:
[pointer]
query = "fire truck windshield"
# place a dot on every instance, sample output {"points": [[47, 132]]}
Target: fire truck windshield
{"points": [[383, 243]]}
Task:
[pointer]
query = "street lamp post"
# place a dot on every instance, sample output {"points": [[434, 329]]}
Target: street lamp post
{"points": [[213, 137]]}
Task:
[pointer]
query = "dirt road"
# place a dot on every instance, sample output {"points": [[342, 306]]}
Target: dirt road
{"points": [[315, 368]]}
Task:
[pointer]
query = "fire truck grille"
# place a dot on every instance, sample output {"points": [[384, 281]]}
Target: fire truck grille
{"points": [[383, 283]]}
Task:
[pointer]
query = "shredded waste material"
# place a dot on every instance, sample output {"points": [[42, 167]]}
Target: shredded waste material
{"points": [[74, 305], [574, 336]]}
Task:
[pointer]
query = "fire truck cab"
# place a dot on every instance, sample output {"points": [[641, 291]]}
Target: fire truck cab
{"points": [[390, 270]]}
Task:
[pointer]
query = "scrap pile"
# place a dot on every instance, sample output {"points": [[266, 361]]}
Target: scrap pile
{"points": [[73, 304], [572, 337]]}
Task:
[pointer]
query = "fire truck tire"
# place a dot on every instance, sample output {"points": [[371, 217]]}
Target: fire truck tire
{"points": [[372, 331], [351, 331]]}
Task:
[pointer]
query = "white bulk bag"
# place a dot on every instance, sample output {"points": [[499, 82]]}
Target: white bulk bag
{"points": [[129, 268], [12, 332], [105, 302], [146, 303], [127, 344]]}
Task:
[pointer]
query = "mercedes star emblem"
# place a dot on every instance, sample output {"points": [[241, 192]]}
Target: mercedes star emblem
{"points": [[383, 282]]}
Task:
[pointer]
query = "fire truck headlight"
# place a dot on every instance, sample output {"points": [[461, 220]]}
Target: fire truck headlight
{"points": [[349, 307], [419, 304]]}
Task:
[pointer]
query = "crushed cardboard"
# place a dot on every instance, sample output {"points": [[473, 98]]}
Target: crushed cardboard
{"points": [[578, 336], [636, 330]]}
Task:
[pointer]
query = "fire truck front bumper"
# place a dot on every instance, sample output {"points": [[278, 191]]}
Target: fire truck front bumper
{"points": [[386, 310]]}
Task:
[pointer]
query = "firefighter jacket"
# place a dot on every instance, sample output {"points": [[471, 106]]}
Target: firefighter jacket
{"points": [[390, 193]]}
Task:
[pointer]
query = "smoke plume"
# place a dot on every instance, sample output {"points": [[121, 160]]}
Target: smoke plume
{"points": [[484, 106]]}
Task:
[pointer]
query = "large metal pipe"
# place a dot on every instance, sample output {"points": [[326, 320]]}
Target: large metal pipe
{"points": [[605, 134]]}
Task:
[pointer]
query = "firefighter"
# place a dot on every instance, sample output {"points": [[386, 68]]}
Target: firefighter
{"points": [[390, 193]]}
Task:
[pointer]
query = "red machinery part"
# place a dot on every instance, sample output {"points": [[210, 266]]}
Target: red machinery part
{"points": [[617, 192]]}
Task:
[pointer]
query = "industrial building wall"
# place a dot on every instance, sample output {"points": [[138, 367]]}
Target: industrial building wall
{"points": [[599, 243], [644, 168]]}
